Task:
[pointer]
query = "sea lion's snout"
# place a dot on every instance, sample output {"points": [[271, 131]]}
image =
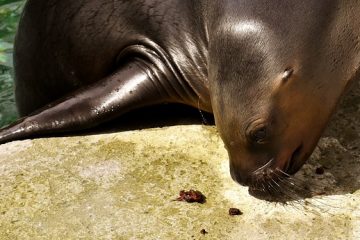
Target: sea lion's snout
{"points": [[268, 178], [261, 152], [254, 169]]}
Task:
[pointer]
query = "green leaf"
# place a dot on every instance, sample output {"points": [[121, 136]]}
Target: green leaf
{"points": [[10, 12]]}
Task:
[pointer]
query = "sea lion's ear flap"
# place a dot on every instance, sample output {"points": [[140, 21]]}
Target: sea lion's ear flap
{"points": [[288, 72], [128, 88]]}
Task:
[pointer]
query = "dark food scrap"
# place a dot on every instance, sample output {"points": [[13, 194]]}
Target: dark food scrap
{"points": [[319, 170], [203, 232], [234, 211], [191, 196]]}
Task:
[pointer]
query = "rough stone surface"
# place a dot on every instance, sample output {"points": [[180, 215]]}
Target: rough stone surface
{"points": [[123, 186]]}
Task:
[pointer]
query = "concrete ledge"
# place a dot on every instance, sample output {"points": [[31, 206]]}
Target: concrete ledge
{"points": [[122, 186]]}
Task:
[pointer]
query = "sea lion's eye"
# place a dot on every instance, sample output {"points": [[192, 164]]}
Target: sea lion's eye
{"points": [[259, 135]]}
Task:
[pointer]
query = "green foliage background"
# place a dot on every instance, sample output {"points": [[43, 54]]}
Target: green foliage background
{"points": [[10, 11]]}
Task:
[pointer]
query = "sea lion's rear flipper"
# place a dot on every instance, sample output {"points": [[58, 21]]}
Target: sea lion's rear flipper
{"points": [[134, 85]]}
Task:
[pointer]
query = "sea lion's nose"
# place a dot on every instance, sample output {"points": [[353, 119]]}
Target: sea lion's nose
{"points": [[243, 165], [240, 176], [247, 167]]}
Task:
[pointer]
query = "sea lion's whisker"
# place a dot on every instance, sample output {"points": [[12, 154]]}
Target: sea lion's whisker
{"points": [[256, 187], [288, 180], [290, 185], [266, 165], [294, 187], [274, 191], [274, 183], [276, 188], [279, 187], [283, 188], [328, 206], [288, 188], [201, 114], [296, 200], [297, 180], [290, 193], [269, 187], [264, 187]]}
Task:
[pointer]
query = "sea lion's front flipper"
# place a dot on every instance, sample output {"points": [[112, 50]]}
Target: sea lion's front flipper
{"points": [[134, 85]]}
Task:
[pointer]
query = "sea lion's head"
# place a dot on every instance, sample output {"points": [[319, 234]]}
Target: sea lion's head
{"points": [[271, 99]]}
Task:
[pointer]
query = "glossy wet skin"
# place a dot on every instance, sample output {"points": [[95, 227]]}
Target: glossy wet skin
{"points": [[272, 72]]}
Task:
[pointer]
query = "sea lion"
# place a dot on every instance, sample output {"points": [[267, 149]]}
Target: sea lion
{"points": [[271, 72]]}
